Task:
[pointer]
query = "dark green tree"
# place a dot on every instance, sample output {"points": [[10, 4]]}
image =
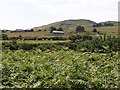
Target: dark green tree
{"points": [[94, 30], [52, 29], [60, 29], [108, 24], [98, 25], [80, 29], [20, 37], [4, 36]]}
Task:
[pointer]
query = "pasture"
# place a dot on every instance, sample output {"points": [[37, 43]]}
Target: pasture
{"points": [[108, 30], [36, 41]]}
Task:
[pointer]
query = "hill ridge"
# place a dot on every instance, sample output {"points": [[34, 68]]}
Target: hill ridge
{"points": [[70, 24]]}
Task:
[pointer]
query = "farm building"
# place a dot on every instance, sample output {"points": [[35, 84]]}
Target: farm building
{"points": [[19, 30], [28, 30], [58, 32]]}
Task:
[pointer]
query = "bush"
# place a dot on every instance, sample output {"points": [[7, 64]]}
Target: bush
{"points": [[96, 44], [59, 69], [78, 37], [80, 29], [4, 36], [94, 30]]}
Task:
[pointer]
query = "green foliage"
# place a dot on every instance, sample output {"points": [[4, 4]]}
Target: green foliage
{"points": [[108, 24], [75, 37], [99, 44], [78, 37], [55, 29], [98, 25], [10, 45], [29, 46], [80, 29], [60, 29], [4, 37], [52, 29], [81, 43], [103, 24], [94, 30], [37, 38], [58, 69], [20, 37], [92, 62]]}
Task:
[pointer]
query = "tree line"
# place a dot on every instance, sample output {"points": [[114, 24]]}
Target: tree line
{"points": [[103, 25]]}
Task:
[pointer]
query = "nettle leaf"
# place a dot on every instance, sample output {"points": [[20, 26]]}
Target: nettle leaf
{"points": [[61, 69]]}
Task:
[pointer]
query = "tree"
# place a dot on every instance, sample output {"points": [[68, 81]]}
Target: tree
{"points": [[60, 29], [80, 28], [94, 30], [20, 37], [52, 29], [108, 24], [75, 37], [103, 25], [32, 30], [4, 36], [98, 25]]}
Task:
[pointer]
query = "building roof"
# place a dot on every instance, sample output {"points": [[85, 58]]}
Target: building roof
{"points": [[58, 32], [19, 30]]}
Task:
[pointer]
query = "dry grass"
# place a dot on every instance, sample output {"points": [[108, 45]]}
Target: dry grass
{"points": [[28, 34], [38, 41], [108, 30]]}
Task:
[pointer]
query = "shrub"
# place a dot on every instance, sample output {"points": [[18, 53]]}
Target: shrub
{"points": [[4, 36]]}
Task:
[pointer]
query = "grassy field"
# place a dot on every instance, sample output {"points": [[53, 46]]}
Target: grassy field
{"points": [[109, 30], [36, 34], [37, 41], [28, 34]]}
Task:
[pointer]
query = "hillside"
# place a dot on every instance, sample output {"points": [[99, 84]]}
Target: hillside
{"points": [[67, 24], [69, 28], [115, 23]]}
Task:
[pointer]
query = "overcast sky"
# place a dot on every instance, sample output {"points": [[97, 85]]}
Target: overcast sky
{"points": [[30, 13]]}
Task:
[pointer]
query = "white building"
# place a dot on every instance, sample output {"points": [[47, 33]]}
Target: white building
{"points": [[58, 32]]}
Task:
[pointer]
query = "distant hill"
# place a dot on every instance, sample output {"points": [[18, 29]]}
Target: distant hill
{"points": [[71, 24], [67, 24], [69, 27]]}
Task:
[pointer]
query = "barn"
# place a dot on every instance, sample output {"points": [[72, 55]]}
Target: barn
{"points": [[58, 32]]}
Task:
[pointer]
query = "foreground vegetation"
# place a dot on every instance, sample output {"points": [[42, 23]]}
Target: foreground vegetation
{"points": [[82, 61], [77, 42], [59, 69]]}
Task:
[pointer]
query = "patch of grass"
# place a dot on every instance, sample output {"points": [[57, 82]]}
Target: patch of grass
{"points": [[37, 41]]}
